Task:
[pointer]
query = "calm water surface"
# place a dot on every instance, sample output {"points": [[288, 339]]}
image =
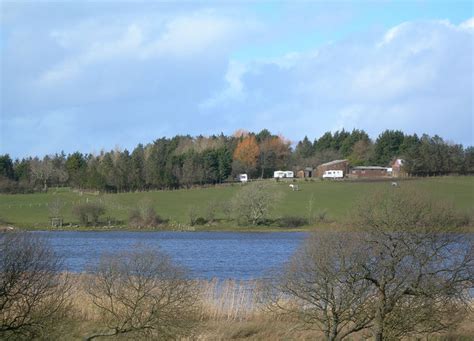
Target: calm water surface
{"points": [[207, 254]]}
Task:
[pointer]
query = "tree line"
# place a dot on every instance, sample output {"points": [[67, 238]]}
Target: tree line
{"points": [[185, 161]]}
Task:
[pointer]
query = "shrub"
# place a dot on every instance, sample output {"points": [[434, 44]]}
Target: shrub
{"points": [[34, 293], [200, 221], [292, 221], [145, 216], [253, 202], [143, 294], [88, 213]]}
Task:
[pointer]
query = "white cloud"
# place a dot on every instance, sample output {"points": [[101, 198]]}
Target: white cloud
{"points": [[392, 34], [234, 90], [467, 25], [417, 77], [185, 37]]}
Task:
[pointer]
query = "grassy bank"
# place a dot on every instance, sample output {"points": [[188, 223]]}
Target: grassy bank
{"points": [[333, 199]]}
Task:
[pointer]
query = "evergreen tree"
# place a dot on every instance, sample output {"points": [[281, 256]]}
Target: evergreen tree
{"points": [[387, 146]]}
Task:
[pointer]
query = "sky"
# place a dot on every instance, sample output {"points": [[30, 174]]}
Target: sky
{"points": [[97, 75]]}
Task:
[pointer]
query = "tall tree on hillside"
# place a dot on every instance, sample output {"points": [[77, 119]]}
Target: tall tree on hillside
{"points": [[247, 152], [324, 142], [469, 160], [274, 153], [263, 135], [361, 153], [351, 139], [224, 160], [60, 175], [94, 178], [22, 170], [410, 152], [122, 166], [106, 169], [76, 167], [387, 146], [304, 149], [6, 167], [338, 139], [137, 168], [42, 171]]}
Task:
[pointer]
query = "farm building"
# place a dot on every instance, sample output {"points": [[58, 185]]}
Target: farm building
{"points": [[305, 173], [369, 172], [342, 165]]}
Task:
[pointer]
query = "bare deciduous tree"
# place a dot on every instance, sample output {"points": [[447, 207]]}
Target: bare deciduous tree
{"points": [[34, 294], [253, 202], [320, 286], [144, 293], [415, 262], [42, 171], [405, 271]]}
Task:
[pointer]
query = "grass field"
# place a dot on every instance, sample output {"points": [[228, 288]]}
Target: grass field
{"points": [[337, 199]]}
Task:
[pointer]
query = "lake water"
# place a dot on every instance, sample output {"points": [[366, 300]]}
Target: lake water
{"points": [[208, 255]]}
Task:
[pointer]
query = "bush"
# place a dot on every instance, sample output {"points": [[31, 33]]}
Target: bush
{"points": [[292, 221], [406, 209], [34, 293], [88, 213], [145, 217], [200, 221], [144, 294], [251, 205]]}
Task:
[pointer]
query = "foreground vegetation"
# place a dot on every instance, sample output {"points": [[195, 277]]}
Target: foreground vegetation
{"points": [[317, 203], [404, 272]]}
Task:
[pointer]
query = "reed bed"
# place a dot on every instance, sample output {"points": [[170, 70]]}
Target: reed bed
{"points": [[219, 300], [230, 300]]}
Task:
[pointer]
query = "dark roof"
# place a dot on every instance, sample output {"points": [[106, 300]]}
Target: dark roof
{"points": [[333, 162], [370, 167]]}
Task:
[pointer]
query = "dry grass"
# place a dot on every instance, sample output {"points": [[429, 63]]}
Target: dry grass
{"points": [[229, 300], [229, 310]]}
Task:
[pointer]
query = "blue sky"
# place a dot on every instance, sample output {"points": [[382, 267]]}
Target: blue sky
{"points": [[103, 74]]}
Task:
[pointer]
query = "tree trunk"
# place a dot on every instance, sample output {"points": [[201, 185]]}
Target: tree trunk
{"points": [[378, 324], [379, 315], [333, 330]]}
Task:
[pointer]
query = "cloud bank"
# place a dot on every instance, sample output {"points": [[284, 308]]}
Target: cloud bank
{"points": [[92, 80]]}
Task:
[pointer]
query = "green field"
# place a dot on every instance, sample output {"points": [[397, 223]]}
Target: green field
{"points": [[336, 198]]}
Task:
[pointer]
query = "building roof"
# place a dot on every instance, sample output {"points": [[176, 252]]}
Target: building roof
{"points": [[333, 162], [370, 167]]}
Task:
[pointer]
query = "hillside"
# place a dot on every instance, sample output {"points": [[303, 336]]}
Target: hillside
{"points": [[334, 200]]}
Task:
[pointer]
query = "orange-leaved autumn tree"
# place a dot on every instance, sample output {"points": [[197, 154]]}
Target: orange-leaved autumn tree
{"points": [[247, 152]]}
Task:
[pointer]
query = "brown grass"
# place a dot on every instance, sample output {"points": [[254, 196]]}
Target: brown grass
{"points": [[229, 310]]}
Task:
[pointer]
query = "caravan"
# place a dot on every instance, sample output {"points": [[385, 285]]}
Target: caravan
{"points": [[333, 174], [283, 174]]}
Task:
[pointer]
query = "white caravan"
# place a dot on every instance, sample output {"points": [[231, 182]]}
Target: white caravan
{"points": [[283, 174], [333, 174], [278, 174], [243, 178]]}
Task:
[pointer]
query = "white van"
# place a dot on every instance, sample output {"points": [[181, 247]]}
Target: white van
{"points": [[278, 174], [283, 174], [333, 174], [243, 178]]}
